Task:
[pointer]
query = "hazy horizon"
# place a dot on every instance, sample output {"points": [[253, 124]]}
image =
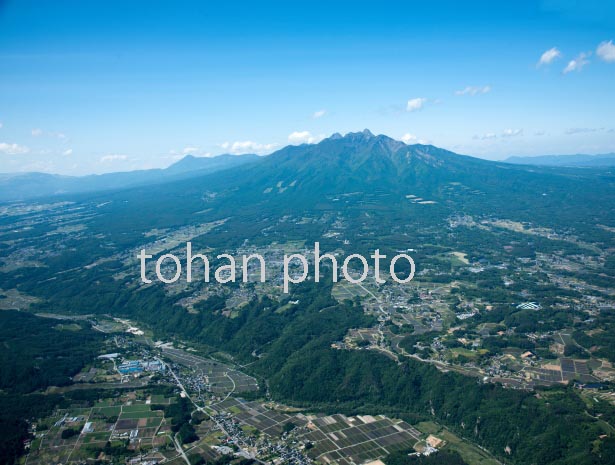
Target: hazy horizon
{"points": [[106, 87], [196, 155], [406, 257]]}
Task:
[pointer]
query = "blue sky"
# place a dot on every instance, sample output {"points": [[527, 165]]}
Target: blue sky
{"points": [[89, 86]]}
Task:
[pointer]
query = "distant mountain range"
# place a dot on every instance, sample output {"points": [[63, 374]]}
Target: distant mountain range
{"points": [[579, 160], [359, 161], [362, 175], [351, 193], [23, 186]]}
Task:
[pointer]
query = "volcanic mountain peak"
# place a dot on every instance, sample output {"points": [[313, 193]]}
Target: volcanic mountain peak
{"points": [[362, 140]]}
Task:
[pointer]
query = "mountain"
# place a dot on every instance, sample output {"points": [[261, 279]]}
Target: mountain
{"points": [[579, 160], [203, 165], [361, 158], [530, 233], [23, 186], [360, 172], [365, 163]]}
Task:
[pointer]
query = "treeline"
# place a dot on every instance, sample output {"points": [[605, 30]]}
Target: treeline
{"points": [[180, 414], [35, 354], [536, 430], [602, 338], [440, 458], [302, 368], [294, 343], [259, 323], [15, 410]]}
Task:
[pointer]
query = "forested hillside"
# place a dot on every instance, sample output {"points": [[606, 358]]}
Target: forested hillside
{"points": [[36, 353]]}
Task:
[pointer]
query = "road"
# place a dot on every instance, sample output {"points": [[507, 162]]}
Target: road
{"points": [[180, 449], [202, 410]]}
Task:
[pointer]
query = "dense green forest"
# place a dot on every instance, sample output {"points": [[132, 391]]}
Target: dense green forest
{"points": [[15, 410], [361, 184], [441, 458], [36, 353], [303, 369], [602, 339]]}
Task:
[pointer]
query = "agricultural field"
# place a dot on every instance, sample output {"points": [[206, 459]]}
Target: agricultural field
{"points": [[124, 427], [566, 370], [344, 290], [259, 418], [348, 440], [219, 378], [335, 438]]}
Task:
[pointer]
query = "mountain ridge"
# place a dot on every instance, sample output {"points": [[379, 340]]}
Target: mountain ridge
{"points": [[337, 164], [575, 160], [30, 185]]}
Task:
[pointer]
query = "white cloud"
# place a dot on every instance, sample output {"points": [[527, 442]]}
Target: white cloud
{"points": [[37, 132], [505, 133], [41, 166], [577, 64], [415, 104], [549, 56], [319, 114], [301, 137], [247, 146], [512, 132], [572, 131], [606, 51], [474, 90], [412, 139], [486, 136], [1, 125], [190, 150], [112, 158], [67, 152], [540, 133], [13, 149]]}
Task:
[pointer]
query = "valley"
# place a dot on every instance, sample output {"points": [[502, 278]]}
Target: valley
{"points": [[508, 317], [324, 233], [136, 420]]}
